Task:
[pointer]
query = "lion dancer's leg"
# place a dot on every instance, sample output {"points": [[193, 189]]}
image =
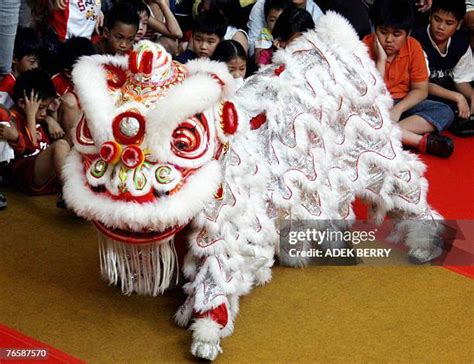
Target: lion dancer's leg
{"points": [[397, 188], [218, 272]]}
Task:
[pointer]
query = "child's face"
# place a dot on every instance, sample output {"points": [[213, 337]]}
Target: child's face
{"points": [[54, 104], [120, 38], [42, 109], [26, 63], [142, 28], [272, 17], [443, 25], [204, 44], [237, 67], [284, 43], [391, 39], [299, 3]]}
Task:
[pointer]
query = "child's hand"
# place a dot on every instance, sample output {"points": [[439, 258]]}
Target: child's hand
{"points": [[159, 2], [276, 44], [464, 112], [8, 132], [99, 22], [395, 115], [32, 105], [380, 53], [424, 5], [54, 128], [54, 105]]}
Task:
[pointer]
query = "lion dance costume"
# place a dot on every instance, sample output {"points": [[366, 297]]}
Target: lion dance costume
{"points": [[165, 148]]}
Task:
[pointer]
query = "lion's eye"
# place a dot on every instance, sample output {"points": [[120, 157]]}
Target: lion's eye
{"points": [[185, 139], [190, 139]]}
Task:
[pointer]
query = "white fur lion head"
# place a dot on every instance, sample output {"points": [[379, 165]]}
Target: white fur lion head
{"points": [[145, 153]]}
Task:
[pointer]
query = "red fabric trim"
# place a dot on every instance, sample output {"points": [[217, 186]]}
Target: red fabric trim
{"points": [[11, 338], [422, 145], [59, 22], [130, 237], [218, 314], [62, 84], [8, 84]]}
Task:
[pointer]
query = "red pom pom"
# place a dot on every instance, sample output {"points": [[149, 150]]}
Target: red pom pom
{"points": [[110, 152], [257, 121], [230, 118], [132, 156]]}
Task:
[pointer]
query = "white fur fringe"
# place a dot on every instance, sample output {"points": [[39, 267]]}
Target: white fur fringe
{"points": [[146, 269]]}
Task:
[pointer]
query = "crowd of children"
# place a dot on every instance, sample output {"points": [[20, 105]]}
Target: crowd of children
{"points": [[422, 50]]}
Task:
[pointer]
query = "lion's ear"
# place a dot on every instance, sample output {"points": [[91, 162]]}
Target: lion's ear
{"points": [[218, 71]]}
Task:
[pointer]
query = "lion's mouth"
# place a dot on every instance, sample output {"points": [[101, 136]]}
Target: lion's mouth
{"points": [[133, 237]]}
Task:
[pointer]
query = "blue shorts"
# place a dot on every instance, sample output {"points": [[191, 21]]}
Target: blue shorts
{"points": [[436, 113]]}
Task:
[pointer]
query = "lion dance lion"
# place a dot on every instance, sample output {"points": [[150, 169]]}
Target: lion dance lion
{"points": [[167, 149]]}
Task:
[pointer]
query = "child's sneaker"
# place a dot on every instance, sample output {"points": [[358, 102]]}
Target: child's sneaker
{"points": [[463, 128], [436, 144], [3, 202]]}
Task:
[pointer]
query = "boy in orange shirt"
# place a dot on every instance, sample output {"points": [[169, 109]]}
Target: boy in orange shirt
{"points": [[400, 59]]}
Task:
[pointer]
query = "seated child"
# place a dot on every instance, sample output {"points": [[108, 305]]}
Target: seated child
{"points": [[120, 30], [209, 29], [5, 150], [400, 59], [233, 54], [257, 18], [26, 53], [469, 21], [234, 14], [36, 169], [264, 42], [75, 18], [69, 112], [450, 61], [291, 23], [168, 31]]}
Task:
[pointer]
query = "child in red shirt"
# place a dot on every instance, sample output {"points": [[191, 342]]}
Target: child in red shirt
{"points": [[36, 169], [70, 112], [26, 53], [401, 61]]}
